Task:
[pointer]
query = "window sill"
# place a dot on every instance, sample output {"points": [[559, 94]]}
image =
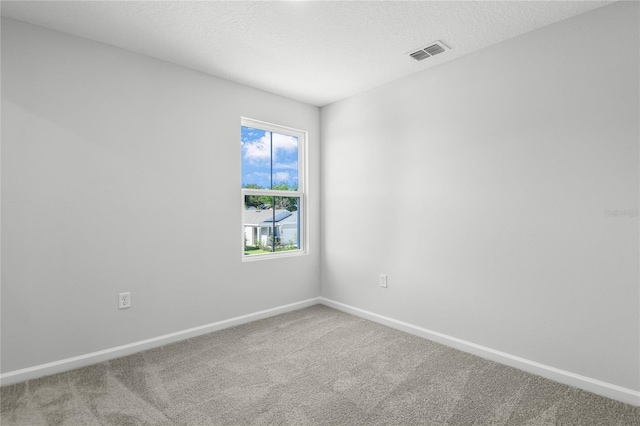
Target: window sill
{"points": [[269, 256]]}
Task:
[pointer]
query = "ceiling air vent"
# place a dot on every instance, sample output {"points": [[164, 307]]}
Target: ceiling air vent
{"points": [[419, 55], [431, 50]]}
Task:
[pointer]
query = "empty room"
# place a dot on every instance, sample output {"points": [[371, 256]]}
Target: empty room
{"points": [[320, 212]]}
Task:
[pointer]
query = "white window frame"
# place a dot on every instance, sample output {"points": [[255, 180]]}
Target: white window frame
{"points": [[301, 193]]}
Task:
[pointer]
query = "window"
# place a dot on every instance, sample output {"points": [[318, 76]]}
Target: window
{"points": [[273, 190]]}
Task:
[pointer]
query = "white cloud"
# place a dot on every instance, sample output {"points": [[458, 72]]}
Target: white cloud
{"points": [[259, 150], [281, 176], [286, 166], [284, 142], [258, 175]]}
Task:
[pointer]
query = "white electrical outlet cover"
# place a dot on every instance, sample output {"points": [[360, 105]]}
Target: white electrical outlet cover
{"points": [[383, 280], [124, 300]]}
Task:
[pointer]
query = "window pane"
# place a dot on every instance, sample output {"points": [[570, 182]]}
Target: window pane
{"points": [[269, 160], [271, 224], [287, 223], [285, 162], [256, 158]]}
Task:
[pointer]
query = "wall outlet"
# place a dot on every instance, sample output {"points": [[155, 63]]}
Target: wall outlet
{"points": [[383, 280], [124, 300]]}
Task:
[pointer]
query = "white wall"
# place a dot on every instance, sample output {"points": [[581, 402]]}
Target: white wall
{"points": [[118, 170], [506, 161], [122, 173]]}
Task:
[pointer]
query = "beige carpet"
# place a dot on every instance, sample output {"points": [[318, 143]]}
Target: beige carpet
{"points": [[312, 366]]}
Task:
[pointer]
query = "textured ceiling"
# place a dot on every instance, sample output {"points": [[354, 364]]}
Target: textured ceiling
{"points": [[316, 52]]}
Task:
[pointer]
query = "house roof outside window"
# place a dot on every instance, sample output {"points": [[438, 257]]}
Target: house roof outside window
{"points": [[258, 217]]}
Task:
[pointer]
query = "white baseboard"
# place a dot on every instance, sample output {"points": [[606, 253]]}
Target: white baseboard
{"points": [[120, 351], [599, 387]]}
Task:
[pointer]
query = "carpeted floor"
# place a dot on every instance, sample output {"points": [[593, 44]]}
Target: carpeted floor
{"points": [[312, 366]]}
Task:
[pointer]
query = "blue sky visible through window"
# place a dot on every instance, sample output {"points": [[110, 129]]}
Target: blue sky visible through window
{"points": [[268, 158]]}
